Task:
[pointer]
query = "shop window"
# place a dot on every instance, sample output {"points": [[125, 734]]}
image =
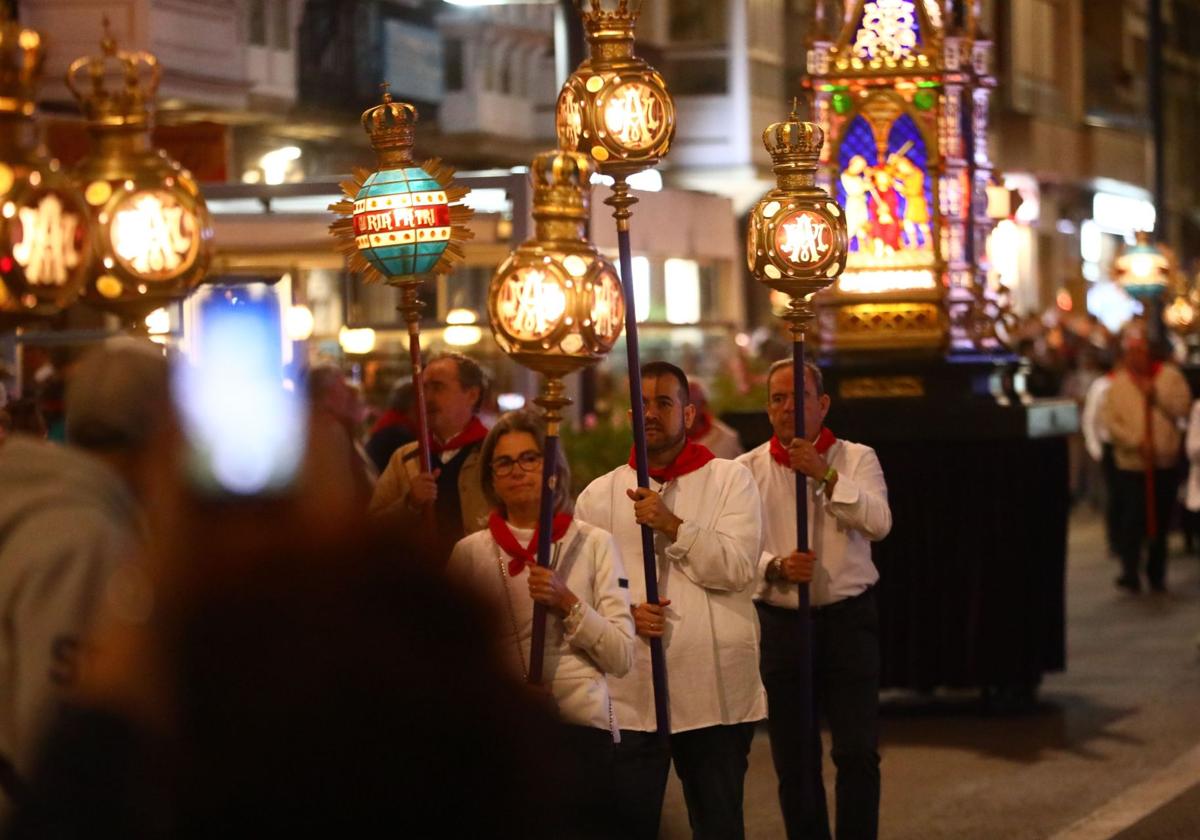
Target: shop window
{"points": [[641, 287], [452, 64], [682, 291], [281, 29], [256, 23], [698, 21]]}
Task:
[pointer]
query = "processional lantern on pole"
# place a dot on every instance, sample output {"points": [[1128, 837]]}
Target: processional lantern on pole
{"points": [[152, 233], [556, 307], [797, 245], [615, 109], [45, 252], [401, 223]]}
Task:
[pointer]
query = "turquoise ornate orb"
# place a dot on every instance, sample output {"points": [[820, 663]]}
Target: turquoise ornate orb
{"points": [[402, 221]]}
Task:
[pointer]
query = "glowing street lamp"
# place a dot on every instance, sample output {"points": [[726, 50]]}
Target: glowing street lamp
{"points": [[44, 248], [152, 234], [1143, 269], [401, 223], [615, 109], [556, 307], [797, 245]]}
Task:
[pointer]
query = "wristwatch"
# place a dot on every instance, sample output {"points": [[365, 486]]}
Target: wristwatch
{"points": [[573, 618], [829, 479], [775, 570]]}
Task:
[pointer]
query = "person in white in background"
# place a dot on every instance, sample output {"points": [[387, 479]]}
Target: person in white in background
{"points": [[847, 510], [707, 520], [709, 431], [589, 630], [1099, 447]]}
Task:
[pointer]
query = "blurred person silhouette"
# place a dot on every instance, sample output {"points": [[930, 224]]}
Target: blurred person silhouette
{"points": [[1145, 404], [337, 411], [26, 418], [455, 386], [589, 628], [1099, 448], [292, 680], [394, 428], [709, 431], [68, 516]]}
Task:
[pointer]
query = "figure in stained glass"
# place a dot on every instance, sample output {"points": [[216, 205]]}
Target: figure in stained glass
{"points": [[854, 188]]}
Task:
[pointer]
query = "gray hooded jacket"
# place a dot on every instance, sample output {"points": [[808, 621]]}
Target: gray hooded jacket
{"points": [[66, 520]]}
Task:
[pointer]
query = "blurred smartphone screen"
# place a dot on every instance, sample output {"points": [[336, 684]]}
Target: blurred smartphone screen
{"points": [[245, 420]]}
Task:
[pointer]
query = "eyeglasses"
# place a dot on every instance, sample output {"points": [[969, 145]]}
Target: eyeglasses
{"points": [[529, 461]]}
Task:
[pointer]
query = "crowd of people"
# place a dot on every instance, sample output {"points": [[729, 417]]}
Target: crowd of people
{"points": [[358, 650]]}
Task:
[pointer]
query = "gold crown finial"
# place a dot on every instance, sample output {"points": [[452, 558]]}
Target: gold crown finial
{"points": [[22, 52], [562, 186], [794, 145], [607, 20], [103, 102], [392, 126]]}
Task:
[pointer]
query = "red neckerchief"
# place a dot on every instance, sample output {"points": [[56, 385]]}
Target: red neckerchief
{"points": [[779, 452], [692, 457], [474, 433], [702, 426], [523, 556], [391, 418]]}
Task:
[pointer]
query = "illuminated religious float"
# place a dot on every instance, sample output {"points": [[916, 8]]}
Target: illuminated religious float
{"points": [[400, 224], [555, 307], [971, 587], [45, 252], [151, 235]]}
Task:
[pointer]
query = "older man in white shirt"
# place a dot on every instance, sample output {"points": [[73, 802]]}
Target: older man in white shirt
{"points": [[707, 519], [847, 510]]}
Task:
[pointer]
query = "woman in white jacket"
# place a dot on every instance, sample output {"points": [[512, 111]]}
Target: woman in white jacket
{"points": [[589, 628]]}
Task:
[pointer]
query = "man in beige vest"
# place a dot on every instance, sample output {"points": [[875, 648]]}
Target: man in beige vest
{"points": [[454, 391], [1145, 404]]}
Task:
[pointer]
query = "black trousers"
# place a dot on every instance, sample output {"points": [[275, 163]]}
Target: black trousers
{"points": [[846, 691], [590, 780], [1132, 521], [1112, 495], [711, 765]]}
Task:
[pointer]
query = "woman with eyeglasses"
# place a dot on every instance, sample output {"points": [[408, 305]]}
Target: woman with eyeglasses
{"points": [[589, 628]]}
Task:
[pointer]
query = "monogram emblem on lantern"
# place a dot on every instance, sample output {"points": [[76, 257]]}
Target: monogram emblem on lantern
{"points": [[154, 236], [803, 238], [48, 241], [634, 115]]}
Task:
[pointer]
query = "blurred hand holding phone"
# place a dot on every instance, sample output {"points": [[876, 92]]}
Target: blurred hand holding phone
{"points": [[245, 417]]}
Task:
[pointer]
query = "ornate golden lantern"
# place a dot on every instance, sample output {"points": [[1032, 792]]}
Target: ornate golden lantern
{"points": [[44, 248], [615, 109], [152, 234], [555, 306], [401, 223], [796, 242]]}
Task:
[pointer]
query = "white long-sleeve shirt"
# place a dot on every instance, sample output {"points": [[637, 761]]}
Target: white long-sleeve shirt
{"points": [[1095, 433], [576, 661], [841, 528], [708, 574]]}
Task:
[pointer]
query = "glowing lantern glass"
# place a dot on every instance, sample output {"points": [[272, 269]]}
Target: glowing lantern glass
{"points": [[796, 242], [1143, 269], [615, 107], [402, 221], [556, 303], [44, 247], [152, 232]]}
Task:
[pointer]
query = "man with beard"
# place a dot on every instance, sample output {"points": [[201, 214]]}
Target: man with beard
{"points": [[454, 391], [847, 510], [707, 520]]}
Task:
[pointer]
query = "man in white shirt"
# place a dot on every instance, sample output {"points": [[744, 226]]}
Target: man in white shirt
{"points": [[707, 519], [847, 510]]}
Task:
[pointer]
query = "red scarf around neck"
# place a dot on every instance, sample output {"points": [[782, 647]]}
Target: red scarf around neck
{"points": [[473, 433], [701, 426], [779, 452], [692, 457], [523, 556]]}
